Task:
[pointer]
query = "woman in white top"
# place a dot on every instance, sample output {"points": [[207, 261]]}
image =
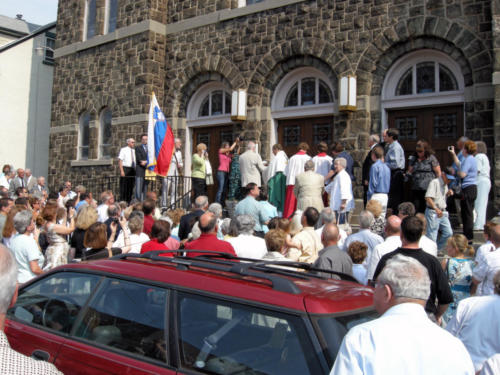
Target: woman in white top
{"points": [[340, 190], [25, 249], [137, 237], [483, 185]]}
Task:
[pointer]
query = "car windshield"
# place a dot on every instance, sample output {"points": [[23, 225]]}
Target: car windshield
{"points": [[333, 328]]}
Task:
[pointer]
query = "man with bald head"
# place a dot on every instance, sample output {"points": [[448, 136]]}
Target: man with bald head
{"points": [[208, 239], [331, 257], [391, 243]]}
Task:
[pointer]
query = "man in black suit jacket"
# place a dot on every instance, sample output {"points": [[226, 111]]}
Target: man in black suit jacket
{"points": [[373, 141], [141, 159], [187, 221]]}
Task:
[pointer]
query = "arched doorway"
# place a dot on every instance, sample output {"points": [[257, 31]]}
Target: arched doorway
{"points": [[302, 109], [209, 122], [423, 97]]}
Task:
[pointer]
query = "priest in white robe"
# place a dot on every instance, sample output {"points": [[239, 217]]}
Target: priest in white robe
{"points": [[275, 178], [295, 167]]}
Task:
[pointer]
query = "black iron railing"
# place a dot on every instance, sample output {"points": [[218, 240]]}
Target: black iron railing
{"points": [[173, 191]]}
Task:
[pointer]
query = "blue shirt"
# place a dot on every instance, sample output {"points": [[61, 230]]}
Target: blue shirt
{"points": [[380, 179], [349, 163], [395, 157], [269, 212], [469, 166], [460, 157], [249, 206], [366, 236]]}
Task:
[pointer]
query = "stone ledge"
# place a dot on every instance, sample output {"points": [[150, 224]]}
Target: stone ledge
{"points": [[91, 163]]}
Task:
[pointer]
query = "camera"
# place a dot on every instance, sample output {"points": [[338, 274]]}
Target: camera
{"points": [[240, 137], [450, 148]]}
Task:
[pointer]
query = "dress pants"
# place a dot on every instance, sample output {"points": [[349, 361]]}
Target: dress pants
{"points": [[171, 187], [127, 184], [481, 203], [199, 186], [396, 190], [467, 207]]}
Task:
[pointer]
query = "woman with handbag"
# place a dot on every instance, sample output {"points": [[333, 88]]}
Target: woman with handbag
{"points": [[467, 171], [198, 171], [340, 190]]}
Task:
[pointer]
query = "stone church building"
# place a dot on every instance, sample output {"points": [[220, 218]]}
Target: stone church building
{"points": [[430, 68]]}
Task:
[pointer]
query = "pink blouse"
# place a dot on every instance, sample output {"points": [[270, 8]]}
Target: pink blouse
{"points": [[224, 162]]}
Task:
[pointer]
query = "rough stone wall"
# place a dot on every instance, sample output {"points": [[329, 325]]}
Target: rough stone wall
{"points": [[179, 10]]}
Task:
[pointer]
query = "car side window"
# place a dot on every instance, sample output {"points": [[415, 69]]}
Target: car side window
{"points": [[128, 316], [54, 301], [221, 337]]}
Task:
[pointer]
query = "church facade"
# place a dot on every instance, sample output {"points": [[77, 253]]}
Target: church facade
{"points": [[430, 68]]}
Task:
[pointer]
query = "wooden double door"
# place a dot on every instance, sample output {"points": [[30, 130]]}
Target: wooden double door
{"points": [[310, 130], [213, 137], [440, 126]]}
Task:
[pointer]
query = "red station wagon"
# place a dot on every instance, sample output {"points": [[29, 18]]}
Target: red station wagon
{"points": [[147, 314]]}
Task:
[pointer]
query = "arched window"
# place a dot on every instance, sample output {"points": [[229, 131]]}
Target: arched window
{"points": [[111, 16], [90, 19], [105, 134], [303, 92], [308, 91], [84, 136], [215, 103], [426, 77]]}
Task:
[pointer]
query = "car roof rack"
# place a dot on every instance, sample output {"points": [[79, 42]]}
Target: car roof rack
{"points": [[269, 270]]}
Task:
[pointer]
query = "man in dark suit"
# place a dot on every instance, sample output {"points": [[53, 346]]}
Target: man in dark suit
{"points": [[373, 141], [188, 220], [141, 158]]}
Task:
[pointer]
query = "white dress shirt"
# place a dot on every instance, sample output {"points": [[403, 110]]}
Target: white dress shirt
{"points": [[295, 167], [485, 272], [248, 246], [428, 245], [175, 163], [402, 341], [482, 250], [340, 188], [477, 325], [102, 213], [391, 243], [491, 366], [322, 164], [127, 156]]}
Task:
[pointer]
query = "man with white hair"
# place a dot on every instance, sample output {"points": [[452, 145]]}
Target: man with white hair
{"points": [[308, 188], [40, 189], [477, 325], [16, 182], [340, 190], [364, 234], [251, 165], [12, 362], [29, 179], [171, 183], [107, 199], [403, 340], [127, 163], [246, 245]]}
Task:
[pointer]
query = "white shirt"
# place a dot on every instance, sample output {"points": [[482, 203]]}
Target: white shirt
{"points": [[391, 243], [485, 272], [491, 366], [25, 250], [102, 212], [127, 156], [477, 325], [340, 188], [359, 273], [482, 250], [322, 164], [402, 341], [428, 245], [4, 182], [295, 167], [136, 241], [342, 233], [175, 163], [247, 246], [278, 164]]}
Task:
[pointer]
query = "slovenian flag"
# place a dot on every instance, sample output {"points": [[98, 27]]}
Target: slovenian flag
{"points": [[160, 140]]}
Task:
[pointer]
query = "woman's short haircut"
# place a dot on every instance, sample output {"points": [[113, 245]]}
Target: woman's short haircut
{"points": [[374, 207], [201, 147], [303, 146], [135, 224], [481, 147], [322, 147], [22, 221], [357, 251], [86, 217], [275, 240], [470, 147], [245, 224], [406, 277], [96, 236], [342, 162], [160, 230], [278, 147]]}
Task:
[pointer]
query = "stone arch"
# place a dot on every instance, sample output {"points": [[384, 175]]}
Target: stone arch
{"points": [[202, 70], [437, 33], [292, 54]]}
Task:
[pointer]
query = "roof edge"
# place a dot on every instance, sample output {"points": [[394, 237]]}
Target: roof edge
{"points": [[38, 31]]}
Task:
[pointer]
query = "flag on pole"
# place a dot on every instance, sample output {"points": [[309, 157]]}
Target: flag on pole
{"points": [[160, 140]]}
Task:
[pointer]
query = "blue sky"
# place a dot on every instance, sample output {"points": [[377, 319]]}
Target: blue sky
{"points": [[39, 12]]}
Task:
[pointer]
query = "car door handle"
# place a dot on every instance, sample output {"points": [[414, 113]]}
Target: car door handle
{"points": [[40, 355]]}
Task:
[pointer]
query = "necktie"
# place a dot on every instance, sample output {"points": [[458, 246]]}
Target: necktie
{"points": [[133, 157]]}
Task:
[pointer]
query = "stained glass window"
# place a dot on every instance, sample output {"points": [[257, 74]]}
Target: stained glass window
{"points": [[312, 91], [426, 81], [227, 104], [215, 104], [112, 15], [203, 138], [105, 136], [445, 126], [405, 84], [322, 133], [291, 135], [217, 108], [308, 91], [84, 135], [447, 81], [325, 95], [91, 19], [407, 127], [292, 97]]}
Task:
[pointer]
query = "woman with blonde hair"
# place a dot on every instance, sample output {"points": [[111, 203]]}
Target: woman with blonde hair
{"points": [[483, 185], [378, 225], [458, 267], [85, 218], [198, 171]]}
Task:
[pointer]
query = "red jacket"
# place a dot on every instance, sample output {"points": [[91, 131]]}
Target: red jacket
{"points": [[209, 241], [155, 245]]}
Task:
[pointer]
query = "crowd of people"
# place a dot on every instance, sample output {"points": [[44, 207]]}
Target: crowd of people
{"points": [[297, 209]]}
